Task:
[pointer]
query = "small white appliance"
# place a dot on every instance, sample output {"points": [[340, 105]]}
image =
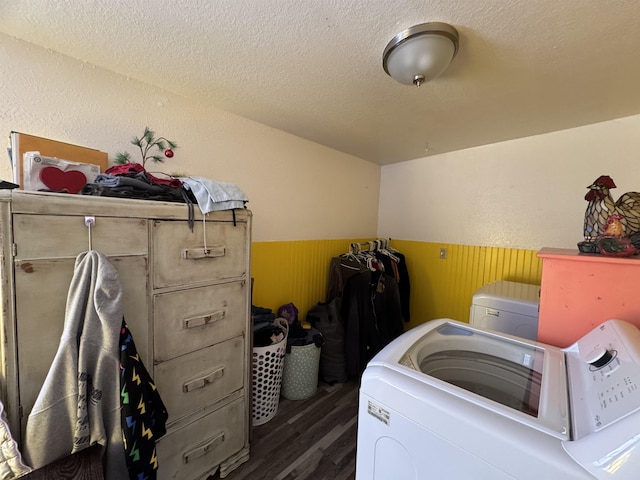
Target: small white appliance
{"points": [[508, 307], [447, 400]]}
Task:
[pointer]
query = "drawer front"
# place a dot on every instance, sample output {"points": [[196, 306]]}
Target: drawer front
{"points": [[189, 382], [189, 320], [59, 236], [181, 257], [197, 448]]}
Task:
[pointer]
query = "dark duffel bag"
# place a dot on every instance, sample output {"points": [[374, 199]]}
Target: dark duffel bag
{"points": [[326, 318]]}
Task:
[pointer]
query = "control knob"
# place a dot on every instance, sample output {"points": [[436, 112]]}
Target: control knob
{"points": [[599, 357]]}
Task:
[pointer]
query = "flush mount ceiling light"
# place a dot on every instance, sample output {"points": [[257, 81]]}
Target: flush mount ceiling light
{"points": [[420, 53]]}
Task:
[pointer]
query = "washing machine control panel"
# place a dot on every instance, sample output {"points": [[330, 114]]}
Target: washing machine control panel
{"points": [[604, 376]]}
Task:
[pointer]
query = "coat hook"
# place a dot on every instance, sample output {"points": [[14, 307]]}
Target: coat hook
{"points": [[90, 222]]}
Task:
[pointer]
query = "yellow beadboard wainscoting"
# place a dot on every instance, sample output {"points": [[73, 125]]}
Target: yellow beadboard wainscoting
{"points": [[293, 271], [445, 288], [297, 271]]}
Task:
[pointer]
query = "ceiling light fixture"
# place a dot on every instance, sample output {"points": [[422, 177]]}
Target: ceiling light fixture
{"points": [[420, 53]]}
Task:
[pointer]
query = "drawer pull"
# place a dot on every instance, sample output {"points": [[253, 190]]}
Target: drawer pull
{"points": [[203, 449], [202, 252], [203, 381], [205, 319]]}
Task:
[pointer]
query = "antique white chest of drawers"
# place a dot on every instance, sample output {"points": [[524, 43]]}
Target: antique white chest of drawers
{"points": [[187, 303]]}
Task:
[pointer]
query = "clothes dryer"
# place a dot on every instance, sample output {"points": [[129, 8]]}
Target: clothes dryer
{"points": [[449, 400]]}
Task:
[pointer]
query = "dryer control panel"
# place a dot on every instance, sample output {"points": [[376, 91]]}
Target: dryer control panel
{"points": [[603, 376]]}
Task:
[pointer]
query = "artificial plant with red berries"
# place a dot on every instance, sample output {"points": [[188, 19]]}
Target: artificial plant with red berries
{"points": [[148, 145]]}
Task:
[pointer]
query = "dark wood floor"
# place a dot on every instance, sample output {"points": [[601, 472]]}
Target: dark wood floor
{"points": [[311, 439]]}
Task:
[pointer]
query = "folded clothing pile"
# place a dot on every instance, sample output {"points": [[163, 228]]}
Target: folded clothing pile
{"points": [[131, 180]]}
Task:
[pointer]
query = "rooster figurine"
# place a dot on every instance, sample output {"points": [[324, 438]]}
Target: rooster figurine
{"points": [[613, 242], [601, 206]]}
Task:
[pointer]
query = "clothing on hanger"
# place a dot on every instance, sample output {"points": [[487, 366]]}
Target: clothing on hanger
{"points": [[372, 282]]}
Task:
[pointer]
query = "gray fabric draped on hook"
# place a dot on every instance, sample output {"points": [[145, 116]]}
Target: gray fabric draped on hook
{"points": [[214, 196]]}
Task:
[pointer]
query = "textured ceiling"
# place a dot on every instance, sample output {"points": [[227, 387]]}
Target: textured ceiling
{"points": [[313, 67]]}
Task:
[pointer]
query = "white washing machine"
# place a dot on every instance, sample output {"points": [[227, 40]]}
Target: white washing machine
{"points": [[446, 400], [508, 307]]}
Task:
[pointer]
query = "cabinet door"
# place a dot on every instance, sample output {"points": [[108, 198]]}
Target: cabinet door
{"points": [[41, 297]]}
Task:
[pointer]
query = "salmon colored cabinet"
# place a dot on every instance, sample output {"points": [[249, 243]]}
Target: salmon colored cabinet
{"points": [[580, 291]]}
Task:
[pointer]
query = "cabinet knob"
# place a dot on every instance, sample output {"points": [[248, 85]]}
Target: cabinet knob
{"points": [[204, 319], [215, 251], [203, 381], [203, 449]]}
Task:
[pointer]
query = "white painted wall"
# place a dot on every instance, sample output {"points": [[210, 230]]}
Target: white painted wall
{"points": [[298, 190], [526, 193]]}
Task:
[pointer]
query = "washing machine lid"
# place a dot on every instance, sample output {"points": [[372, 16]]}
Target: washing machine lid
{"points": [[516, 378]]}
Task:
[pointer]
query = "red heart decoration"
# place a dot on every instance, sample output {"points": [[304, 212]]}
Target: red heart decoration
{"points": [[56, 179]]}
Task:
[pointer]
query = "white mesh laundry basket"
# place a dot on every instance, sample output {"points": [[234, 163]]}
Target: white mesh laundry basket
{"points": [[267, 377]]}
